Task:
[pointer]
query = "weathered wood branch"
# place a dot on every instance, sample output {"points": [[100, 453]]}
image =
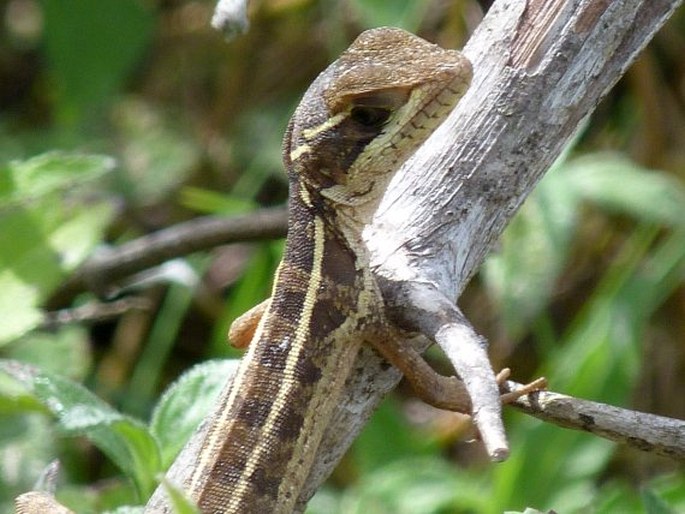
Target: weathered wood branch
{"points": [[541, 67], [647, 432], [102, 271]]}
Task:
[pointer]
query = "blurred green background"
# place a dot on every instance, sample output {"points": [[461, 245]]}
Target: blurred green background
{"points": [[122, 117]]}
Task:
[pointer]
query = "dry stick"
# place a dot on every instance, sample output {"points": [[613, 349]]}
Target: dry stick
{"points": [[541, 67], [105, 268], [94, 312], [422, 308], [647, 432], [469, 356]]}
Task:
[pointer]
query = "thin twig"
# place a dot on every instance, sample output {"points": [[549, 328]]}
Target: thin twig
{"points": [[108, 266], [647, 432], [93, 312], [421, 307]]}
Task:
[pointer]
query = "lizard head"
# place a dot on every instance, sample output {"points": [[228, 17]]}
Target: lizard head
{"points": [[368, 112]]}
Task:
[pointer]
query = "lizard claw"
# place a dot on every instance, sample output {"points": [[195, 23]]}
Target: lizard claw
{"points": [[510, 396]]}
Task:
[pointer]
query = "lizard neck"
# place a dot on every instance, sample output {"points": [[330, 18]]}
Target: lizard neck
{"points": [[286, 388]]}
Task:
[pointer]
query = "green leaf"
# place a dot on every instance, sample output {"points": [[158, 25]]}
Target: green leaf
{"points": [[65, 351], [257, 150], [406, 14], [533, 251], [158, 153], [27, 445], [671, 489], [386, 437], [616, 496], [325, 501], [50, 220], [79, 412], [620, 185], [185, 403], [144, 383], [598, 358], [91, 47], [54, 172], [180, 503], [653, 504], [253, 287], [211, 202], [426, 485], [535, 246], [21, 300]]}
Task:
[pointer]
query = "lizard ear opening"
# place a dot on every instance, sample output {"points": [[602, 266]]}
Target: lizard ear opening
{"points": [[374, 110], [371, 117]]}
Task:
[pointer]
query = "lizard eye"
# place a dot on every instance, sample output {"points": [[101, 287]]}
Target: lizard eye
{"points": [[367, 116]]}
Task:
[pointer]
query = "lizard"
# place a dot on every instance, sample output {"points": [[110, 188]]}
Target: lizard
{"points": [[355, 126]]}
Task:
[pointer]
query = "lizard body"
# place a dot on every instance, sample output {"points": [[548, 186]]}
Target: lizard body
{"points": [[357, 123]]}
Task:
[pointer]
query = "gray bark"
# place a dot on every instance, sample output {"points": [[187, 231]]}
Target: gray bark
{"points": [[540, 69]]}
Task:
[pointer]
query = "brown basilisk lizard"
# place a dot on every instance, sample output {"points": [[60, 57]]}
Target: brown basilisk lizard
{"points": [[356, 125]]}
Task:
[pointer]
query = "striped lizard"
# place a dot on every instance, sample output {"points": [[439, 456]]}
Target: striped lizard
{"points": [[355, 126]]}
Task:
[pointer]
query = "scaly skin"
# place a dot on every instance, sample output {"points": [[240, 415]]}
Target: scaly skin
{"points": [[355, 126]]}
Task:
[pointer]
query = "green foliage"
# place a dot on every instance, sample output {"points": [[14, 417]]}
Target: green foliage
{"points": [[91, 46], [201, 200], [537, 244], [400, 13], [139, 451], [49, 223], [253, 286], [179, 503], [185, 403], [156, 151], [377, 446], [411, 485], [79, 412], [578, 282], [147, 373]]}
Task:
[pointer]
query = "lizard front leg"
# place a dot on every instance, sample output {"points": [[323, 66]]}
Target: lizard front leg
{"points": [[243, 328]]}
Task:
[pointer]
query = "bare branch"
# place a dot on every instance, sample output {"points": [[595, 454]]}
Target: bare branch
{"points": [[647, 432], [420, 307], [93, 312], [541, 67], [102, 271]]}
